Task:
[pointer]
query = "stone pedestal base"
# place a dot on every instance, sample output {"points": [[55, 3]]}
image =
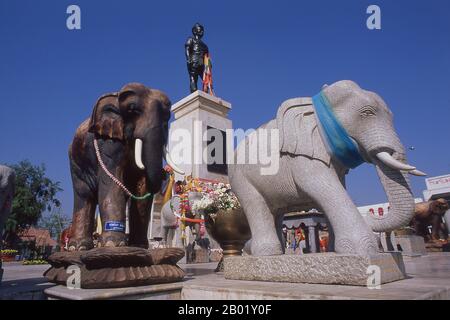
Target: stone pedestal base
{"points": [[411, 244], [437, 246], [324, 268], [167, 291], [115, 267], [215, 256]]}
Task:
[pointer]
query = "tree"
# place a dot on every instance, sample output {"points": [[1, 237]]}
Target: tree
{"points": [[55, 222], [35, 194]]}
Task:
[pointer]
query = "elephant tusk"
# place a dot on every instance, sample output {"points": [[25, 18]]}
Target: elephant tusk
{"points": [[388, 160], [170, 161], [417, 173], [138, 154]]}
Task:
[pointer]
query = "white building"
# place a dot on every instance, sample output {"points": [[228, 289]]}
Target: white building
{"points": [[379, 209], [437, 187]]}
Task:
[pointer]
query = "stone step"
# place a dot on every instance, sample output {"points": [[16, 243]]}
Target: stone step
{"points": [[168, 291], [215, 287], [323, 268]]}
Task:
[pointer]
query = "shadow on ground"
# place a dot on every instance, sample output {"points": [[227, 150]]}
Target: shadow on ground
{"points": [[24, 289]]}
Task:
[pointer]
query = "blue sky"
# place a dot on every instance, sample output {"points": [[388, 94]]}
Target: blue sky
{"points": [[263, 53]]}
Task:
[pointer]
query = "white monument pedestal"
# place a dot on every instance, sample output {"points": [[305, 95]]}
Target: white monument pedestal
{"points": [[196, 117], [199, 118]]}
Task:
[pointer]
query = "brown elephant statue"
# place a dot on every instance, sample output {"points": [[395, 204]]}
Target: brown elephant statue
{"points": [[117, 154], [7, 189], [430, 213]]}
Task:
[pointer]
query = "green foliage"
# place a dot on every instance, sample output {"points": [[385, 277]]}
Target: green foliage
{"points": [[34, 262], [35, 193], [8, 252], [55, 222]]}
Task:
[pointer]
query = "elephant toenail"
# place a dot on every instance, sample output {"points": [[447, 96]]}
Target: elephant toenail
{"points": [[110, 243]]}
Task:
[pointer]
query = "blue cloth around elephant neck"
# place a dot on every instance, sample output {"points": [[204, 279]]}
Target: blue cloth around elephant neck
{"points": [[340, 145]]}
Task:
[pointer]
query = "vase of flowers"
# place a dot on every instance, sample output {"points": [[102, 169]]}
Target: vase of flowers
{"points": [[230, 229], [224, 219]]}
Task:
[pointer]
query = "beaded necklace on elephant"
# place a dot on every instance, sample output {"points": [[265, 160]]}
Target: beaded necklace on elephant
{"points": [[113, 178]]}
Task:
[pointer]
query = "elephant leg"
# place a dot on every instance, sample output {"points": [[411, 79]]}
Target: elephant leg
{"points": [[279, 228], [112, 206], [83, 216], [139, 223], [388, 240], [352, 234], [164, 233], [421, 229], [436, 221], [415, 224], [447, 224], [379, 242], [168, 235], [172, 237], [6, 198], [443, 231], [3, 209], [197, 231], [82, 222], [265, 240]]}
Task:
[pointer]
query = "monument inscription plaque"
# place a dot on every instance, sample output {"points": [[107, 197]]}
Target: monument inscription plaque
{"points": [[217, 150]]}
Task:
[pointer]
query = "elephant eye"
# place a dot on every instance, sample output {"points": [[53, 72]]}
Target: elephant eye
{"points": [[111, 108], [367, 112], [133, 108]]}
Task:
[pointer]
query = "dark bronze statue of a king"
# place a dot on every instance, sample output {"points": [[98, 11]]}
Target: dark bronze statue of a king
{"points": [[195, 50]]}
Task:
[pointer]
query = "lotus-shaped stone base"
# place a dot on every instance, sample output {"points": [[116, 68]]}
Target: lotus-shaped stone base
{"points": [[117, 267]]}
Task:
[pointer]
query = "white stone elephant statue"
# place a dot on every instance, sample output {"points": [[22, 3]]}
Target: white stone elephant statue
{"points": [[169, 213], [320, 140], [169, 220], [7, 184]]}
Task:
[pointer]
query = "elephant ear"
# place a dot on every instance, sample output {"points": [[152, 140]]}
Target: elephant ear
{"points": [[299, 132], [165, 103], [106, 119], [165, 108]]}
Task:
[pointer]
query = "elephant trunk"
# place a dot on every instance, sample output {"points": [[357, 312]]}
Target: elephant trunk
{"points": [[401, 200], [152, 154]]}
